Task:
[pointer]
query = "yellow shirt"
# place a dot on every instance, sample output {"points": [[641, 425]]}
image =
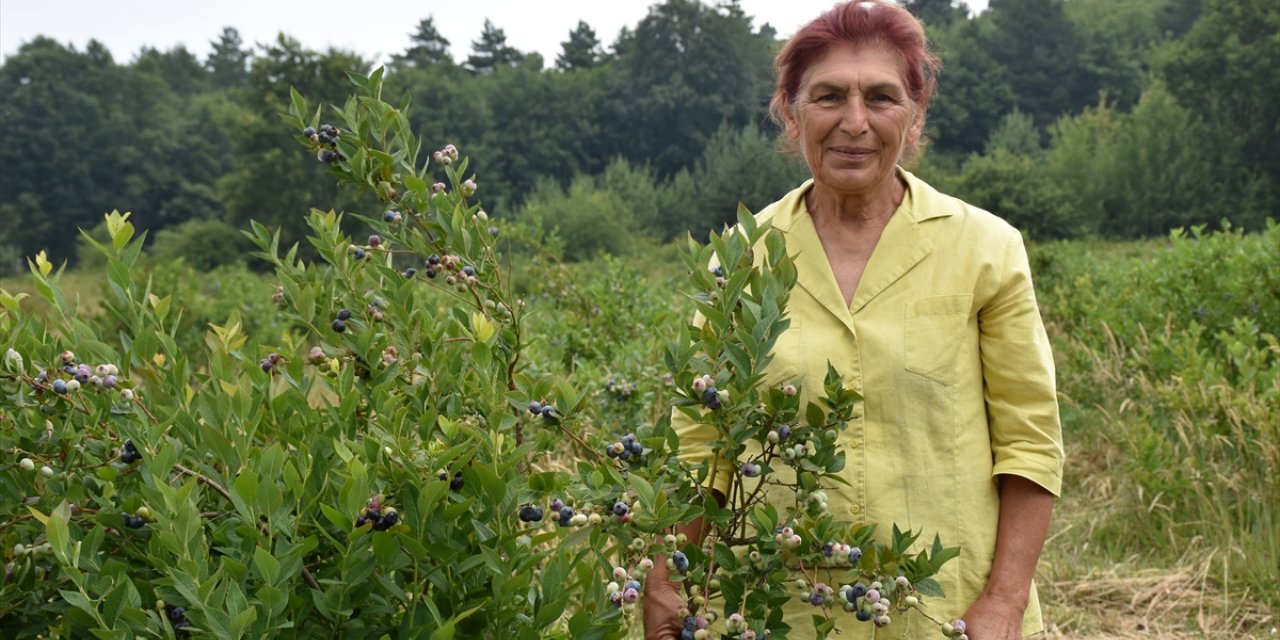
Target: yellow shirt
{"points": [[944, 341]]}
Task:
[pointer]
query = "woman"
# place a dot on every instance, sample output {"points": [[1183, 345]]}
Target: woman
{"points": [[925, 305]]}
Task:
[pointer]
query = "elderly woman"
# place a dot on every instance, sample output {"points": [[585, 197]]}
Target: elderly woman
{"points": [[925, 305]]}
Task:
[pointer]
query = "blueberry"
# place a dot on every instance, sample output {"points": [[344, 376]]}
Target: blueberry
{"points": [[469, 270], [566, 513], [784, 432], [535, 407], [636, 448], [339, 325], [387, 521], [134, 522], [456, 482], [60, 386], [433, 259], [530, 513], [681, 561], [855, 592], [620, 508], [632, 584], [361, 521], [177, 613], [360, 254], [326, 155], [389, 216], [863, 616], [343, 314], [549, 412], [556, 505], [410, 273], [718, 271], [750, 469], [828, 549], [431, 273], [711, 398], [265, 365], [308, 132], [855, 555]]}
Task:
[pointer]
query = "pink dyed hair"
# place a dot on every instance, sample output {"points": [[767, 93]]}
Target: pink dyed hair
{"points": [[858, 22]]}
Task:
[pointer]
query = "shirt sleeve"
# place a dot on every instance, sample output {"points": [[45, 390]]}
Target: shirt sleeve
{"points": [[1018, 375]]}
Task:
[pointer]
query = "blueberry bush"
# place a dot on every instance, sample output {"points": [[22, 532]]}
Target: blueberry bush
{"points": [[397, 451]]}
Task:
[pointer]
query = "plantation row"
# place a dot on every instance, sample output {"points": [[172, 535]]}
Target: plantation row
{"points": [[441, 430]]}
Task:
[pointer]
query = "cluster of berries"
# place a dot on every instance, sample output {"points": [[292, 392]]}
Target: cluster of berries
{"points": [[545, 410], [327, 138], [464, 275], [79, 374], [455, 483], [955, 629], [138, 519], [735, 623], [718, 272], [28, 464], [619, 390], [711, 397], [268, 364], [566, 515], [277, 296], [866, 603], [626, 593], [530, 513], [378, 515], [446, 156], [128, 453], [340, 321], [35, 550], [178, 618], [392, 216], [625, 448]]}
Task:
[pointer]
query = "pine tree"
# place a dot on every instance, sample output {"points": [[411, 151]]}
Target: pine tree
{"points": [[427, 47], [582, 49], [491, 51]]}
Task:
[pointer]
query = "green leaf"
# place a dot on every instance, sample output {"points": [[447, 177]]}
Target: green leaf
{"points": [[929, 587], [267, 565]]}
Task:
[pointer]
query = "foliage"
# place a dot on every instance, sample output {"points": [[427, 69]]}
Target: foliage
{"points": [[1176, 347], [363, 456]]}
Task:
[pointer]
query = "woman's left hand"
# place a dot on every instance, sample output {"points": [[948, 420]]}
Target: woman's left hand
{"points": [[994, 618]]}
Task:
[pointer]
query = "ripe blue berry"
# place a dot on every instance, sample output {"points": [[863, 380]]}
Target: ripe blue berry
{"points": [[60, 386], [134, 522], [339, 325], [681, 561], [469, 270], [750, 469], [456, 482], [855, 592], [433, 259], [863, 616], [410, 273], [549, 412], [855, 555], [308, 132], [535, 407], [620, 508], [784, 432], [343, 314], [431, 273]]}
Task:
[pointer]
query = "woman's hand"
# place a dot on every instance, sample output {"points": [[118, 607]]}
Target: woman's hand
{"points": [[662, 604], [994, 618]]}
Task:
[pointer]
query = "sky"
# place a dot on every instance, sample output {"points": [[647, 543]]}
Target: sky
{"points": [[375, 29]]}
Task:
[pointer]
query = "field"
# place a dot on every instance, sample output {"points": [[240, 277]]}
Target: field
{"points": [[1169, 371]]}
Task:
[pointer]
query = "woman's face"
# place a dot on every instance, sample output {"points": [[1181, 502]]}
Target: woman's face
{"points": [[853, 118]]}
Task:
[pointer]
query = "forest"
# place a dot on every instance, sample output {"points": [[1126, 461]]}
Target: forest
{"points": [[1071, 119]]}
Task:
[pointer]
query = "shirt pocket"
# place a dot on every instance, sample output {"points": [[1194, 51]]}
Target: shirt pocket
{"points": [[933, 332]]}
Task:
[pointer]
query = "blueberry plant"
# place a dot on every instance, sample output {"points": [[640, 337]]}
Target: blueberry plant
{"points": [[393, 463]]}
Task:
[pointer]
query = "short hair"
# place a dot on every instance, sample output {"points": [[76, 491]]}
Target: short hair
{"points": [[858, 22]]}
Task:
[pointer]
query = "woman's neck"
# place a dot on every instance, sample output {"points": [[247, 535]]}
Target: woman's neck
{"points": [[856, 210]]}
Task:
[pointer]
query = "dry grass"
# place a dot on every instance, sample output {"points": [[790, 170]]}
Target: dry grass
{"points": [[1126, 601]]}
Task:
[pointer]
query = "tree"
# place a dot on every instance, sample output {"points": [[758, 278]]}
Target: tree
{"points": [[684, 71], [1224, 71], [936, 13], [582, 49], [491, 51], [229, 61], [427, 47], [1040, 51], [973, 92]]}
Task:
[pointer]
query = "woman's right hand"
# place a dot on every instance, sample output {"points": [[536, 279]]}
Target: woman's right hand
{"points": [[662, 604]]}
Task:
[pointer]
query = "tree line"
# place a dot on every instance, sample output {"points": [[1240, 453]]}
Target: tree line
{"points": [[1071, 118]]}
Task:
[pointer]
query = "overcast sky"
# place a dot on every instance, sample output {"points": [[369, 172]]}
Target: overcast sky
{"points": [[374, 28]]}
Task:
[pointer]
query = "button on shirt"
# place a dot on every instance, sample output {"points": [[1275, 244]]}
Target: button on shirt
{"points": [[943, 339]]}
